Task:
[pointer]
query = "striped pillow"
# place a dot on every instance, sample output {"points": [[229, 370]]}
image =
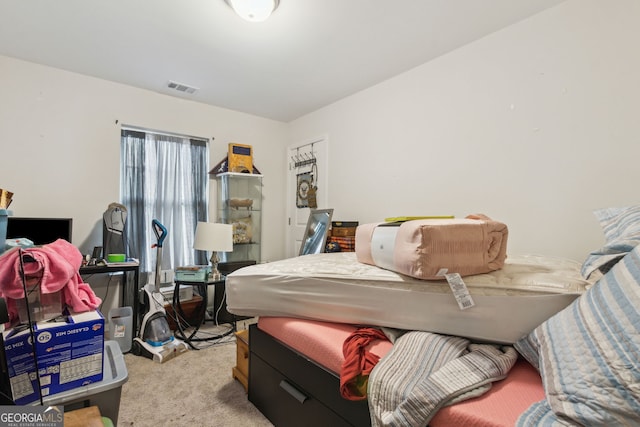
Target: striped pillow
{"points": [[589, 354], [621, 227]]}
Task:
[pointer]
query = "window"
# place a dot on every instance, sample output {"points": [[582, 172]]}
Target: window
{"points": [[163, 177]]}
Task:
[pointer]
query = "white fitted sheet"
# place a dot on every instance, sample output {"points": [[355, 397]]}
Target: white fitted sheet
{"points": [[335, 287]]}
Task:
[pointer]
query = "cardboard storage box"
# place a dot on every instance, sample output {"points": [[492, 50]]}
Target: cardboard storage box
{"points": [[192, 310], [343, 228], [104, 394], [69, 354]]}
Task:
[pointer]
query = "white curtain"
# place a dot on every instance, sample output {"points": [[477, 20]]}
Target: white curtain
{"points": [[164, 177]]}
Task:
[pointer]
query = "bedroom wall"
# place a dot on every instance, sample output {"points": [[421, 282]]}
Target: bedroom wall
{"points": [[535, 126], [60, 145]]}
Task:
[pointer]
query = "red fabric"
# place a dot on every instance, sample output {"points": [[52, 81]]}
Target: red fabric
{"points": [[358, 362], [58, 265], [320, 341]]}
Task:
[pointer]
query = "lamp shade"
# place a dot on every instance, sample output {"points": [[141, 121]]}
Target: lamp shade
{"points": [[214, 237]]}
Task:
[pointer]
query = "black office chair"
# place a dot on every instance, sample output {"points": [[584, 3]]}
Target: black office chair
{"points": [[231, 266]]}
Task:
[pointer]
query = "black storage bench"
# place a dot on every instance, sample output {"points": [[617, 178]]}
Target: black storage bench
{"points": [[291, 390]]}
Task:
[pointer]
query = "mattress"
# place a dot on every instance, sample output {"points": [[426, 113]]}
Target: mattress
{"points": [[334, 287], [500, 406]]}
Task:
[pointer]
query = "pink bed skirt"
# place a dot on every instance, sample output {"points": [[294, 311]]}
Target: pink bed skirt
{"points": [[499, 407]]}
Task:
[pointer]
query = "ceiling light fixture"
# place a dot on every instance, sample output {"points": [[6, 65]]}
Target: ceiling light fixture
{"points": [[254, 10]]}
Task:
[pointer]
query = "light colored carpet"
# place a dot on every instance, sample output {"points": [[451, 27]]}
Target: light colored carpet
{"points": [[194, 389]]}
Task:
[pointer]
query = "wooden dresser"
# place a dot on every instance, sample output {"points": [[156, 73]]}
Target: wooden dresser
{"points": [[241, 370]]}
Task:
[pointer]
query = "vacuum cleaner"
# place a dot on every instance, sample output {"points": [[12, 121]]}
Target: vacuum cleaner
{"points": [[156, 341]]}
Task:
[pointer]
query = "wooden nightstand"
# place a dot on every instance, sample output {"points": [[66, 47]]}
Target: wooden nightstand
{"points": [[241, 370]]}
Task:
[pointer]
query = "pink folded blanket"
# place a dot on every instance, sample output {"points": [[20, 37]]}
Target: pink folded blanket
{"points": [[57, 267], [426, 248]]}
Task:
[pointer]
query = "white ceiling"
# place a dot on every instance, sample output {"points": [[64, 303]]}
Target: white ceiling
{"points": [[309, 54]]}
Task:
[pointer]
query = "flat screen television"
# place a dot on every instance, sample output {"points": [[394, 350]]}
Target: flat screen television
{"points": [[40, 231]]}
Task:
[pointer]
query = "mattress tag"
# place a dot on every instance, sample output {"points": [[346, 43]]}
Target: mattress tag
{"points": [[460, 291], [442, 272]]}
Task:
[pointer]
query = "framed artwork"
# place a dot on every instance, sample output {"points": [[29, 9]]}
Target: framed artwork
{"points": [[302, 189]]}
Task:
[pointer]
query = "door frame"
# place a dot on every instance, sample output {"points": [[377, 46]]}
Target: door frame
{"points": [[320, 146]]}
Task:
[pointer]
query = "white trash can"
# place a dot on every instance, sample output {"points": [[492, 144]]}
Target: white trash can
{"points": [[121, 327]]}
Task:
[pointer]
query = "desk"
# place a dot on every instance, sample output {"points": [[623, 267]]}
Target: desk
{"points": [[127, 295]]}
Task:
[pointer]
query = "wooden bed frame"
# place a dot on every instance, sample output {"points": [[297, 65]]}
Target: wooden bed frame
{"points": [[291, 390]]}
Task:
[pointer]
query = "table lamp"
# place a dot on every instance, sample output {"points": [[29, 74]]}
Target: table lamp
{"points": [[216, 238]]}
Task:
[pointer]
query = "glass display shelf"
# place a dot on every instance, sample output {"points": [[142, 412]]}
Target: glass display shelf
{"points": [[240, 204]]}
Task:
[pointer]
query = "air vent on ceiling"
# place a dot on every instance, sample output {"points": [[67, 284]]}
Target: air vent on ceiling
{"points": [[181, 87]]}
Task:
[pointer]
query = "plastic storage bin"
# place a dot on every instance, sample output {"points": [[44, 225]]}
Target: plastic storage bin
{"points": [[104, 394], [121, 327]]}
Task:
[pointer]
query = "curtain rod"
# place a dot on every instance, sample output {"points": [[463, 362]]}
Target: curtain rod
{"points": [[159, 132]]}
